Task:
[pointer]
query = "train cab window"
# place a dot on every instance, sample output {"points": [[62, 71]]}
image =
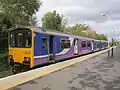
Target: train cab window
{"points": [[21, 38], [88, 44], [65, 43], [83, 43], [45, 45], [12, 40]]}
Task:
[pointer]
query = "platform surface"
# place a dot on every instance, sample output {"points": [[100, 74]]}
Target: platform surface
{"points": [[97, 73]]}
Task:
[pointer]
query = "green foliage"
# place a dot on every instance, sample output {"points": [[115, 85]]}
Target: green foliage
{"points": [[17, 12], [102, 37], [53, 20], [81, 27], [78, 29], [14, 13], [85, 31], [117, 42]]}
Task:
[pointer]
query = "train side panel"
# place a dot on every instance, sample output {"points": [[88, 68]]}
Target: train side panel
{"points": [[104, 45], [40, 50], [85, 46], [64, 49], [47, 49], [57, 49], [97, 45]]}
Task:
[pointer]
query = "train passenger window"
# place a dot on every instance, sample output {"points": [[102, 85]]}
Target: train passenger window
{"points": [[88, 44], [96, 43], [65, 43], [44, 40], [83, 43]]}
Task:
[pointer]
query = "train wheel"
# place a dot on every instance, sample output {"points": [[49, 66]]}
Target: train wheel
{"points": [[14, 70]]}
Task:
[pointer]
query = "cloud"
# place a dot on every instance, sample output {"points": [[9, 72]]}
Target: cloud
{"points": [[86, 11]]}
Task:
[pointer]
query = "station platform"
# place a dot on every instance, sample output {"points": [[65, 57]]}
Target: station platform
{"points": [[91, 72]]}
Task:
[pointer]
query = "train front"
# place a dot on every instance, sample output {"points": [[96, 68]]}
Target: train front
{"points": [[20, 49]]}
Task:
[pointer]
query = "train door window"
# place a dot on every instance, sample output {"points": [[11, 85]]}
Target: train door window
{"points": [[83, 43], [88, 44], [95, 44], [28, 40], [45, 45], [65, 43]]}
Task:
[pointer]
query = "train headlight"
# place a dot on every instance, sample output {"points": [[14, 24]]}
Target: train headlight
{"points": [[26, 58], [11, 57]]}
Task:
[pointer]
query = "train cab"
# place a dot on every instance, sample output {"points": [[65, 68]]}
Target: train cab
{"points": [[21, 47]]}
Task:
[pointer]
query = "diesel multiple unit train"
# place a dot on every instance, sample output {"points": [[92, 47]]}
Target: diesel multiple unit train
{"points": [[31, 46]]}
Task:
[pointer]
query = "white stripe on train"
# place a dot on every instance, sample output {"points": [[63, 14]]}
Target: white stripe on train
{"points": [[64, 51]]}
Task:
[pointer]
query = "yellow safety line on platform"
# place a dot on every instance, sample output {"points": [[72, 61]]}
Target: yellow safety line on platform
{"points": [[14, 80]]}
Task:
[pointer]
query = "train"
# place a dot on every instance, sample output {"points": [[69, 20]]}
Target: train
{"points": [[32, 46]]}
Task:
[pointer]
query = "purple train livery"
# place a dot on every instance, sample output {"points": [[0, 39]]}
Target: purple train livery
{"points": [[31, 46]]}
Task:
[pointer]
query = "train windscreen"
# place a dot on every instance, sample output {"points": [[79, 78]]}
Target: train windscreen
{"points": [[21, 38]]}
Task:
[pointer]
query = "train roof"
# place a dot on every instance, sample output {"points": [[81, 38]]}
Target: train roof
{"points": [[53, 32]]}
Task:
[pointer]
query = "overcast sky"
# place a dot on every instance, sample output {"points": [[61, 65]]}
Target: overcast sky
{"points": [[87, 11]]}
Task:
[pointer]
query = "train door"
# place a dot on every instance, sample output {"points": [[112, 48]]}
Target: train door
{"points": [[76, 46], [100, 45], [51, 48], [92, 45]]}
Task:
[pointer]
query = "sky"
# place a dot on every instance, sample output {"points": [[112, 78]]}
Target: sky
{"points": [[88, 12]]}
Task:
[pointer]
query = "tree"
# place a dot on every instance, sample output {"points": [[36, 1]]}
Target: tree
{"points": [[102, 37], [78, 29], [17, 12], [33, 21], [92, 34], [53, 20], [85, 31]]}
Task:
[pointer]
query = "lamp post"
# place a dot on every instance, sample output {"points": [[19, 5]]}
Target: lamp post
{"points": [[113, 42], [108, 18]]}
